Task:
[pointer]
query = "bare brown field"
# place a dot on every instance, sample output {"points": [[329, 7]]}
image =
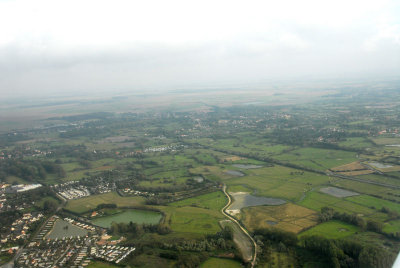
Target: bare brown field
{"points": [[232, 158], [356, 172], [104, 167], [390, 169], [288, 217], [349, 167], [352, 169]]}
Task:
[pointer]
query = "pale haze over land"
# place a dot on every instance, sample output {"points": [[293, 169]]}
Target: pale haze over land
{"points": [[51, 47]]}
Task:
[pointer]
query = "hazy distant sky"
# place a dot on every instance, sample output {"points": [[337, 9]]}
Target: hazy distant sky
{"points": [[87, 46]]}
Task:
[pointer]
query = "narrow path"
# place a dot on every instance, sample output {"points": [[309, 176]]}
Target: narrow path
{"points": [[239, 225]]}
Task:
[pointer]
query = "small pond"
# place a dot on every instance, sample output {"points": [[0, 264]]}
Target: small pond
{"points": [[246, 166], [234, 173], [242, 200], [131, 215], [379, 165], [337, 192]]}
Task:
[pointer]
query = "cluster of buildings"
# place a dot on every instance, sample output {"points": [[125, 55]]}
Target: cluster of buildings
{"points": [[136, 192], [26, 152], [49, 225], [114, 254], [70, 252], [75, 192], [3, 198], [10, 203], [19, 229], [71, 190], [75, 189], [13, 189], [80, 225], [163, 148], [67, 252]]}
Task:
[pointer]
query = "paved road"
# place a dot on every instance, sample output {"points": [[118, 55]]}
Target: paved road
{"points": [[239, 225]]}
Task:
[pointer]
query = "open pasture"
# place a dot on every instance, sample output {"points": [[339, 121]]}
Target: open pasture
{"points": [[332, 229], [288, 217], [315, 158], [392, 226], [316, 201], [381, 178], [357, 143], [373, 202], [369, 189], [214, 201], [216, 173], [100, 264], [280, 259], [279, 181], [218, 263], [386, 140], [192, 219], [91, 202]]}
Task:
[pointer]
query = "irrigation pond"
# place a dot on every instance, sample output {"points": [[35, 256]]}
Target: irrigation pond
{"points": [[243, 199], [234, 173], [337, 192], [248, 166], [129, 215]]}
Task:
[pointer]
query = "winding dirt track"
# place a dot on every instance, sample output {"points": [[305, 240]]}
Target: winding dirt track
{"points": [[253, 261]]}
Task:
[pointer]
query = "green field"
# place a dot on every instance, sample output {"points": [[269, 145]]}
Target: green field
{"points": [[91, 202], [332, 229], [358, 142], [392, 226], [192, 219], [215, 201], [280, 259], [219, 263], [279, 181], [369, 189], [320, 159], [374, 202], [100, 264], [316, 200]]}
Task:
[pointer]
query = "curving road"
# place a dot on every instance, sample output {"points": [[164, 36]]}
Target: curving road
{"points": [[239, 225]]}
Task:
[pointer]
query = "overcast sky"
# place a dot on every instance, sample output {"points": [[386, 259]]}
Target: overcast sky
{"points": [[85, 46]]}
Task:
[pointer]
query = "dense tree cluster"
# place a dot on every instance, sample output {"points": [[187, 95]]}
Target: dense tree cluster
{"points": [[132, 229], [346, 253], [30, 170]]}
